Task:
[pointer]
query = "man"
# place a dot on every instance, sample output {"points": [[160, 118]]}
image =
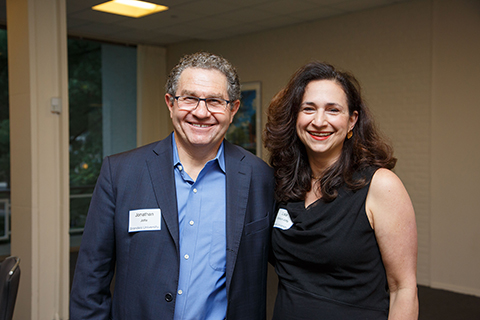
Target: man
{"points": [[185, 222]]}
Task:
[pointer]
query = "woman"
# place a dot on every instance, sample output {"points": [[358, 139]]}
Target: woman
{"points": [[344, 239]]}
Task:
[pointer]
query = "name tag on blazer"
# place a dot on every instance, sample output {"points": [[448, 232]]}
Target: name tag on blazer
{"points": [[144, 220]]}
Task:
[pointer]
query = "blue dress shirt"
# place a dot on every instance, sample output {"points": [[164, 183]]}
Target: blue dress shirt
{"points": [[201, 292]]}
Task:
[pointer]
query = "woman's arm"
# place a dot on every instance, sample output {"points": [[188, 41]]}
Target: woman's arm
{"points": [[391, 215]]}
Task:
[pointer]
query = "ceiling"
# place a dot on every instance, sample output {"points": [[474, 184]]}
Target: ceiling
{"points": [[188, 20]]}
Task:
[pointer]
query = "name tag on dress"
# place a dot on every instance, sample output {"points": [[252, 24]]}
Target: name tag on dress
{"points": [[144, 220], [283, 220]]}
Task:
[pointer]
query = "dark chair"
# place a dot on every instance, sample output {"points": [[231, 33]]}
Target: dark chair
{"points": [[9, 279]]}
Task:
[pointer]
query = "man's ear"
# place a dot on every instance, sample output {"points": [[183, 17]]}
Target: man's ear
{"points": [[169, 100], [235, 105]]}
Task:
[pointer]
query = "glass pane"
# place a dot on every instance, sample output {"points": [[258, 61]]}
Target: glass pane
{"points": [[85, 103], [102, 98]]}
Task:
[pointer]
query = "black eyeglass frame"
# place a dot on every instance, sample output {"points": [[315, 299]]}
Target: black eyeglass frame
{"points": [[204, 100]]}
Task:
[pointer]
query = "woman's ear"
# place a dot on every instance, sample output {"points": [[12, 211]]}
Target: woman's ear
{"points": [[353, 120]]}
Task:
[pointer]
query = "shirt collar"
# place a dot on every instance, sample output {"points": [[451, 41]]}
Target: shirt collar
{"points": [[220, 157]]}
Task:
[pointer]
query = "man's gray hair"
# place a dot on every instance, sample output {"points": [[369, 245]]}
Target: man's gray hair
{"points": [[205, 60]]}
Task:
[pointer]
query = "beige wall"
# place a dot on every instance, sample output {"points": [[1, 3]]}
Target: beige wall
{"points": [[455, 147], [153, 118], [37, 65], [417, 62]]}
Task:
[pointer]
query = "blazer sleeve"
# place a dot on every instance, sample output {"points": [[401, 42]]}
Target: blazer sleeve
{"points": [[91, 297]]}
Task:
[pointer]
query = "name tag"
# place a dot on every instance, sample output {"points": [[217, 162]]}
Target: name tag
{"points": [[144, 220], [283, 220]]}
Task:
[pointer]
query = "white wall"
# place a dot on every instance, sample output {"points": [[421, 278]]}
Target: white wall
{"points": [[417, 62]]}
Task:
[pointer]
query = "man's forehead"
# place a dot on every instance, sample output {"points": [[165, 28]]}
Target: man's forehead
{"points": [[192, 79], [195, 71]]}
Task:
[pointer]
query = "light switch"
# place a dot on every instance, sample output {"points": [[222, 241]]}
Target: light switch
{"points": [[56, 106]]}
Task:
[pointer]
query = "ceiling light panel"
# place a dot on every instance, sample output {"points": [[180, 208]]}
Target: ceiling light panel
{"points": [[129, 8]]}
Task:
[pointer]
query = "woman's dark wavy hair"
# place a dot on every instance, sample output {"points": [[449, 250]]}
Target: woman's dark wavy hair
{"points": [[288, 154]]}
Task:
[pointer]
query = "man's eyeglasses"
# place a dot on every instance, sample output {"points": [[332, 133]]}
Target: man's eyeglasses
{"points": [[214, 105]]}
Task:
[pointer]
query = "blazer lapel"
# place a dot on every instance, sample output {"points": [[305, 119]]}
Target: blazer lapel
{"points": [[160, 167], [238, 175]]}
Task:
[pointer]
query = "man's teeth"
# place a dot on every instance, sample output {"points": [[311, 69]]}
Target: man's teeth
{"points": [[201, 125]]}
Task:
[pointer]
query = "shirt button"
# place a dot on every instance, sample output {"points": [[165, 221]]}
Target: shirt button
{"points": [[192, 223], [180, 168], [186, 256], [168, 297], [194, 190], [180, 291]]}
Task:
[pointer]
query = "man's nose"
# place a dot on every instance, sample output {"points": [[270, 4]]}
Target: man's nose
{"points": [[202, 109]]}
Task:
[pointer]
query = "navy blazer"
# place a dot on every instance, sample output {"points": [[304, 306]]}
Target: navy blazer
{"points": [[146, 264]]}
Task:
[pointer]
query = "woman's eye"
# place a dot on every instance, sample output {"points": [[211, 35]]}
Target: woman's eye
{"points": [[307, 109], [333, 110]]}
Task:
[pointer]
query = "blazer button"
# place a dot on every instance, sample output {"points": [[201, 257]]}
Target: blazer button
{"points": [[168, 297]]}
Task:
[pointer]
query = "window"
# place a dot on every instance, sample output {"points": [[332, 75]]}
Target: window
{"points": [[85, 125], [102, 101]]}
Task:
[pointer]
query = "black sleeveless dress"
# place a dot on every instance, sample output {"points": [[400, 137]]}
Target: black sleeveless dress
{"points": [[328, 261]]}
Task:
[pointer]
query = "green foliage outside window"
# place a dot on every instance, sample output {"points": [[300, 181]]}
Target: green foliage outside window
{"points": [[85, 103], [85, 99]]}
